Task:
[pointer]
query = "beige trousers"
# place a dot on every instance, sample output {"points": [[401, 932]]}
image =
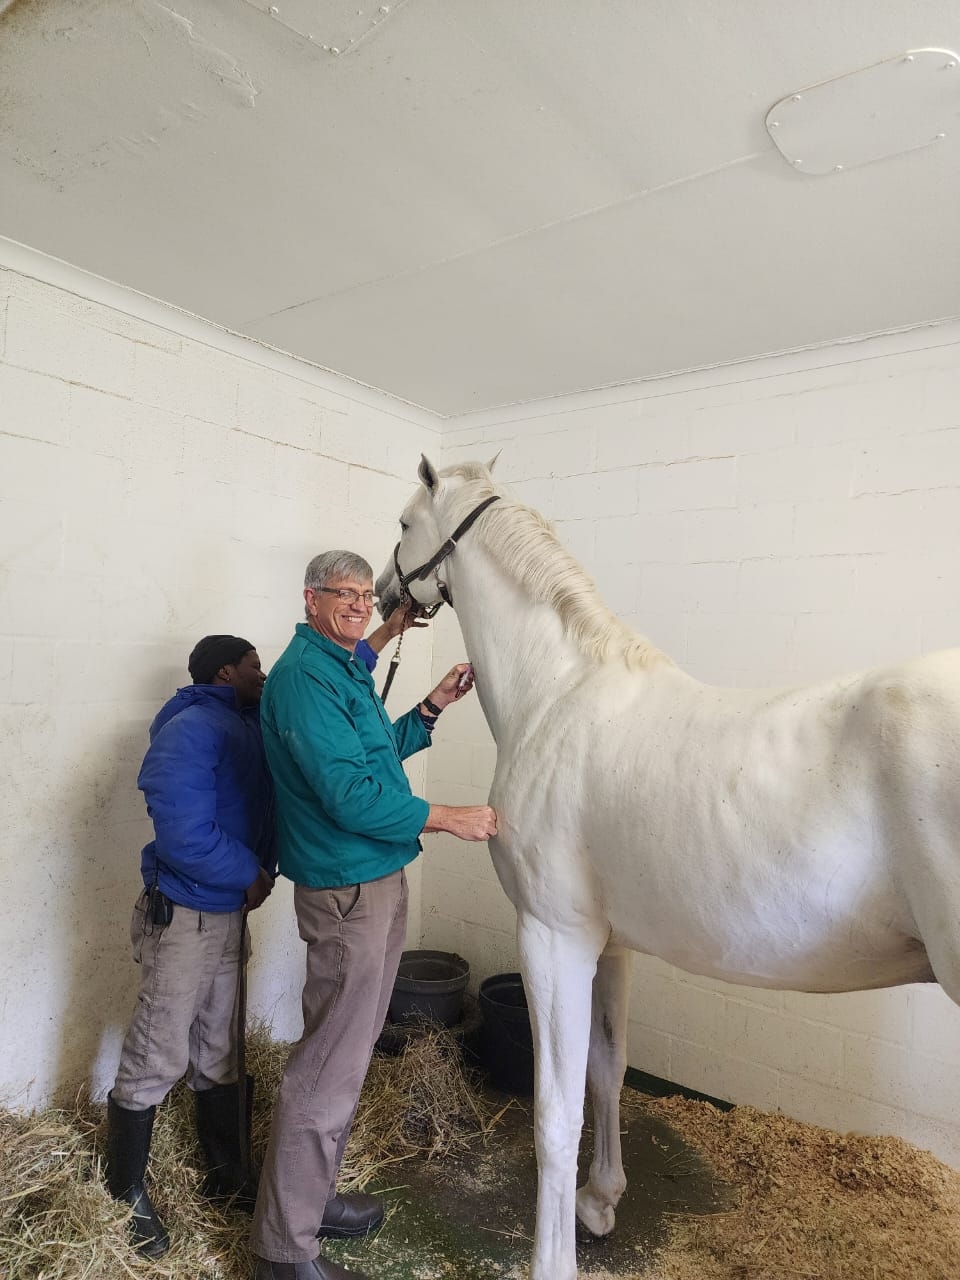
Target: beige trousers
{"points": [[354, 940], [184, 1020]]}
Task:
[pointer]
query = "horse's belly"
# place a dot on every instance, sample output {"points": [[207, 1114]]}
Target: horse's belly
{"points": [[824, 919], [771, 908], [829, 965]]}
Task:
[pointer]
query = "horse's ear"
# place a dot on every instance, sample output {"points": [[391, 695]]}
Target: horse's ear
{"points": [[493, 461], [428, 473]]}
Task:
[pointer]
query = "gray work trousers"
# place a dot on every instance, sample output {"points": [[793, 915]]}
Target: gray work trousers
{"points": [[354, 940], [184, 1022]]}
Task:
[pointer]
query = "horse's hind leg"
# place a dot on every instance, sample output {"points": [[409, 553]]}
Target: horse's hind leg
{"points": [[606, 1064]]}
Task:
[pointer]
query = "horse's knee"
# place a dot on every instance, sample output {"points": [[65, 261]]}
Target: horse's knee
{"points": [[558, 1141]]}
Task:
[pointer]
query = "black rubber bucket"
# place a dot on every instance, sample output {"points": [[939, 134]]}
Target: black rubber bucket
{"points": [[506, 1044], [430, 987]]}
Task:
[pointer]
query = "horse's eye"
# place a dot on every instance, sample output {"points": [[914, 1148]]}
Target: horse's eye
{"points": [[403, 527]]}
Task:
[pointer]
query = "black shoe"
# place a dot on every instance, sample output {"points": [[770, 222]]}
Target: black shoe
{"points": [[128, 1148], [320, 1268], [349, 1216], [225, 1141]]}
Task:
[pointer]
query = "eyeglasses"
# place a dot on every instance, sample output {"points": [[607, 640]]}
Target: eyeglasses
{"points": [[349, 596]]}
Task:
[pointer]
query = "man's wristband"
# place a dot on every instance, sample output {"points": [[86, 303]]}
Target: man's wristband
{"points": [[431, 706]]}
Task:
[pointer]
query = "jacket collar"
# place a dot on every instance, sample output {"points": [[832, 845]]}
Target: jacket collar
{"points": [[346, 657]]}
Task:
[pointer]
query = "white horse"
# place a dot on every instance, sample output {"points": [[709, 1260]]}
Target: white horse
{"points": [[804, 839]]}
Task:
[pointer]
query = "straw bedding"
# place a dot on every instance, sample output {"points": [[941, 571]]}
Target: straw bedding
{"points": [[812, 1203], [58, 1222]]}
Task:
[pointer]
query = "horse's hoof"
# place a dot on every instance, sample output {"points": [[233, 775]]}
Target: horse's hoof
{"points": [[596, 1218]]}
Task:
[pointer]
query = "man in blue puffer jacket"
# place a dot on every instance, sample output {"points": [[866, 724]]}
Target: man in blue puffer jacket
{"points": [[210, 797]]}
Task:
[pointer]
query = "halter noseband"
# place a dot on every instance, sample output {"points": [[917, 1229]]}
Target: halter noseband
{"points": [[423, 571]]}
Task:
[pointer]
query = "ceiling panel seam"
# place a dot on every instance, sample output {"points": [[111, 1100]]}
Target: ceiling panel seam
{"points": [[516, 238]]}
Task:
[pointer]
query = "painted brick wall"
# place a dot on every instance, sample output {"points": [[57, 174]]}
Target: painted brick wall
{"points": [[159, 480], [771, 524], [775, 523]]}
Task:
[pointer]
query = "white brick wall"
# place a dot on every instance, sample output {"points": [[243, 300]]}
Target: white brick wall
{"points": [[784, 521], [159, 480], [779, 522]]}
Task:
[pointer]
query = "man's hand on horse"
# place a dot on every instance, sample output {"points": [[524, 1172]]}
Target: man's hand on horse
{"points": [[402, 619], [465, 821], [406, 618]]}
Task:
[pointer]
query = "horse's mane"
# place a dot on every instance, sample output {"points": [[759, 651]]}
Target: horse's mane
{"points": [[527, 548]]}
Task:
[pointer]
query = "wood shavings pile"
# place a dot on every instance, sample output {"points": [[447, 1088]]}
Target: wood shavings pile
{"points": [[813, 1203]]}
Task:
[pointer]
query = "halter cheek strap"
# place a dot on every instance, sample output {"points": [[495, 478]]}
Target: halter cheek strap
{"points": [[424, 570]]}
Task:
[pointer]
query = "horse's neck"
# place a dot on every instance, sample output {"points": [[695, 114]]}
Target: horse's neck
{"points": [[517, 644]]}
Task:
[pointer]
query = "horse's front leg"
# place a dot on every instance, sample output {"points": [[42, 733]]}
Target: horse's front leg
{"points": [[558, 968], [606, 1065]]}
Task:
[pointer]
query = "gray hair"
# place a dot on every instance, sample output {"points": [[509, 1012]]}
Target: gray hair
{"points": [[334, 566]]}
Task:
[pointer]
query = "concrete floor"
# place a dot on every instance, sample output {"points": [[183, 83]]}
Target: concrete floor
{"points": [[472, 1218]]}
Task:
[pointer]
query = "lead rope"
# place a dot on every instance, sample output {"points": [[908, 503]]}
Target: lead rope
{"points": [[394, 663], [243, 1121]]}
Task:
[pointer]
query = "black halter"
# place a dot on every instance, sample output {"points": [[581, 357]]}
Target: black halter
{"points": [[423, 571]]}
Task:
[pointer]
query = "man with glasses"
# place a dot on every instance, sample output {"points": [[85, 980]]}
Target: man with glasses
{"points": [[347, 825]]}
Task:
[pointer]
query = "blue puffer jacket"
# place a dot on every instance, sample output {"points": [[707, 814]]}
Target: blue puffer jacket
{"points": [[210, 796]]}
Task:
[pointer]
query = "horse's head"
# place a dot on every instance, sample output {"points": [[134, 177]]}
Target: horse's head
{"points": [[427, 535]]}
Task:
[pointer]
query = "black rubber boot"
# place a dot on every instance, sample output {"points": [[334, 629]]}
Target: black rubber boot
{"points": [[128, 1148], [223, 1140]]}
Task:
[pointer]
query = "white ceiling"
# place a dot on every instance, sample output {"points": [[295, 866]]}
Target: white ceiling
{"points": [[469, 204]]}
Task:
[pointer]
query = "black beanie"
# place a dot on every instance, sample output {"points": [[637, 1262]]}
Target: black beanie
{"points": [[214, 652]]}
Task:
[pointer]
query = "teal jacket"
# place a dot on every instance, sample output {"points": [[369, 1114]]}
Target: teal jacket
{"points": [[345, 812]]}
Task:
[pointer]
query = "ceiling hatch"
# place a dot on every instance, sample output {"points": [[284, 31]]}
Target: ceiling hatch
{"points": [[898, 105]]}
